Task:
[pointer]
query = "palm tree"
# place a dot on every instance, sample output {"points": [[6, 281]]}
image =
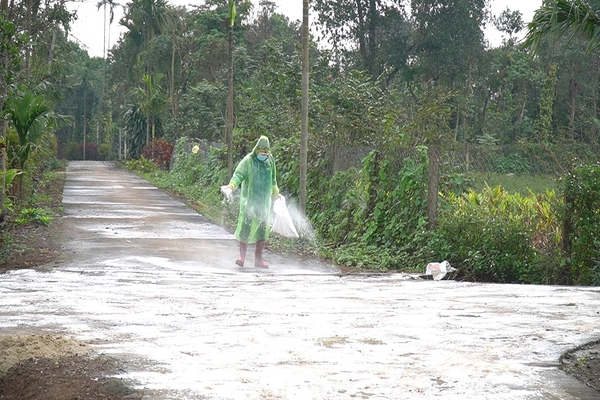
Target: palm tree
{"points": [[30, 115], [154, 102], [144, 19], [86, 87], [112, 6], [560, 17]]}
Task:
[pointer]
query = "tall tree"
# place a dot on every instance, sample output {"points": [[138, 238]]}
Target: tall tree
{"points": [[144, 19], [448, 38], [509, 23], [5, 41], [154, 102], [112, 6], [371, 34], [229, 134], [430, 122], [305, 88], [86, 87], [448, 43], [575, 20]]}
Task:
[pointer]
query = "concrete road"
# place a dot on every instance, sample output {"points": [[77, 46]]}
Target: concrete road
{"points": [[146, 279]]}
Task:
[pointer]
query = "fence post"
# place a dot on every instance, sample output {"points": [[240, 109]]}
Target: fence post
{"points": [[565, 241]]}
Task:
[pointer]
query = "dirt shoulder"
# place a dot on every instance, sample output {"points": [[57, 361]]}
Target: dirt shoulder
{"points": [[584, 364], [31, 245], [35, 363]]}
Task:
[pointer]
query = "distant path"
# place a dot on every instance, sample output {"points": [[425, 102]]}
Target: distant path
{"points": [[146, 279]]}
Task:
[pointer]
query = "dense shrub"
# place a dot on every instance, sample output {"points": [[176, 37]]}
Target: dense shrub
{"points": [[582, 219], [205, 168], [91, 151], [374, 218], [72, 152], [495, 236], [141, 165], [512, 164], [159, 151], [106, 153]]}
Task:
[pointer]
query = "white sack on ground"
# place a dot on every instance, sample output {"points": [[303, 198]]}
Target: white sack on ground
{"points": [[439, 270]]}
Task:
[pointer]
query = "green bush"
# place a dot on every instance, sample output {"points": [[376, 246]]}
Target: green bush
{"points": [[512, 164], [160, 151], [494, 236], [203, 169], [582, 195], [141, 165], [33, 215], [374, 218], [105, 152], [73, 152], [197, 177]]}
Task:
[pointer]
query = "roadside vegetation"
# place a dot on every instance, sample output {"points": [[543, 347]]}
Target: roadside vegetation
{"points": [[489, 233], [30, 237]]}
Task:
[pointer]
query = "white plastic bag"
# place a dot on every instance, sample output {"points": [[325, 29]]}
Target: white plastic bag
{"points": [[227, 193], [283, 224], [439, 270]]}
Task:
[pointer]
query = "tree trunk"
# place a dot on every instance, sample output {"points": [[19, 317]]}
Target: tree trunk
{"points": [[173, 94], [120, 143], [305, 87], [3, 90], [148, 129], [52, 48], [229, 135], [573, 90], [433, 153], [362, 45], [373, 19], [565, 240], [84, 123], [104, 35]]}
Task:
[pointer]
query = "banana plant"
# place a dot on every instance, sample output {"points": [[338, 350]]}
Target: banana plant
{"points": [[9, 177]]}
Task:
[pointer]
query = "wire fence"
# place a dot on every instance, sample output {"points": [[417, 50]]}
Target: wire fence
{"points": [[531, 159]]}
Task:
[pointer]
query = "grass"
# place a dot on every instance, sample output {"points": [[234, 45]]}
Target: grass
{"points": [[513, 183]]}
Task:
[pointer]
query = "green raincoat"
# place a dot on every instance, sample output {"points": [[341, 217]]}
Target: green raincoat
{"points": [[259, 184]]}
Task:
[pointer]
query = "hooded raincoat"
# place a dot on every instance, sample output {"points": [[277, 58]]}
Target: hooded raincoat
{"points": [[258, 180]]}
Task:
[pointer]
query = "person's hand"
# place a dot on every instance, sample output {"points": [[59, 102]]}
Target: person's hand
{"points": [[230, 186]]}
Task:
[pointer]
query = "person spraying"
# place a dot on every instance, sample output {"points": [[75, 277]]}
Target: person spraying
{"points": [[257, 176]]}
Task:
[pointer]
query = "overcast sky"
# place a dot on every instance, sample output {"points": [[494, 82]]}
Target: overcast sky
{"points": [[89, 32]]}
